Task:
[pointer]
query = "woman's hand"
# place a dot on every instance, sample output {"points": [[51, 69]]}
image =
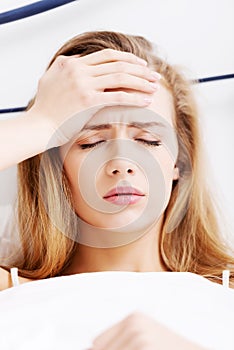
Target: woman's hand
{"points": [[105, 78], [70, 86], [140, 332]]}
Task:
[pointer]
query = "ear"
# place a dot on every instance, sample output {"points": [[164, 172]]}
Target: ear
{"points": [[176, 173]]}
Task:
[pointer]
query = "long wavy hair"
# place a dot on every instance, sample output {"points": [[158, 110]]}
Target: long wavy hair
{"points": [[196, 244]]}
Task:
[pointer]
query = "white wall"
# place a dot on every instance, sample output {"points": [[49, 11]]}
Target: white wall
{"points": [[197, 34]]}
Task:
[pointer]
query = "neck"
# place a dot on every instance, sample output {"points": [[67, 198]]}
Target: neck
{"points": [[141, 255]]}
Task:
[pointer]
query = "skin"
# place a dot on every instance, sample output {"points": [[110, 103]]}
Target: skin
{"points": [[137, 331], [73, 84], [141, 332], [127, 257], [70, 85], [60, 95]]}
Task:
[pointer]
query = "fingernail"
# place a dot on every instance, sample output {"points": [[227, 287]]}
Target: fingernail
{"points": [[141, 61], [154, 85], [156, 75]]}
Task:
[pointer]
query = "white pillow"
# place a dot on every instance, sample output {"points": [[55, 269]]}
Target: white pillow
{"points": [[69, 312]]}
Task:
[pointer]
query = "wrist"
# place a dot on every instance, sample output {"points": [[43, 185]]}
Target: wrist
{"points": [[37, 120], [51, 133]]}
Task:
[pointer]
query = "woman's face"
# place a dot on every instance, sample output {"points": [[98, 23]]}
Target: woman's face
{"points": [[126, 151]]}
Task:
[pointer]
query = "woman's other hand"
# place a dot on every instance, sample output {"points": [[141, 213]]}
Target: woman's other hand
{"points": [[140, 332]]}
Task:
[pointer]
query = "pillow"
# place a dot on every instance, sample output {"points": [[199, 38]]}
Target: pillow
{"points": [[68, 312]]}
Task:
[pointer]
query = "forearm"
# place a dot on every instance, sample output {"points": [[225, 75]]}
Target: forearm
{"points": [[61, 95], [22, 137]]}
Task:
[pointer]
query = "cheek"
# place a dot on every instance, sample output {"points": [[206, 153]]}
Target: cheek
{"points": [[166, 164], [71, 168]]}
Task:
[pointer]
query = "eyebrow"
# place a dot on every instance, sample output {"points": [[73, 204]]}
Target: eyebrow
{"points": [[138, 125]]}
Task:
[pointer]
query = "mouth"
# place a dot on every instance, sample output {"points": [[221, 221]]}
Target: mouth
{"points": [[123, 195]]}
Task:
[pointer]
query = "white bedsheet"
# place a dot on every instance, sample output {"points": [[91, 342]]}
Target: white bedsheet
{"points": [[69, 312]]}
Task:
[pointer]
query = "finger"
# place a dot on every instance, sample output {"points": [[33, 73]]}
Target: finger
{"points": [[116, 98], [122, 80], [109, 55], [107, 337], [122, 340], [125, 67]]}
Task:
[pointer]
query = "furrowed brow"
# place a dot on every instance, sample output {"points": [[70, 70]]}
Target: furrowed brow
{"points": [[97, 127], [138, 125]]}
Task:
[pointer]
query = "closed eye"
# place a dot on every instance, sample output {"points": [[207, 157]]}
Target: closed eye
{"points": [[90, 145], [147, 142]]}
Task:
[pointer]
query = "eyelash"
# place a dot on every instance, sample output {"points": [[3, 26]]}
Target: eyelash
{"points": [[148, 143]]}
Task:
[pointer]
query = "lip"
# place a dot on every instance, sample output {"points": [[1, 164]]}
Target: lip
{"points": [[123, 195], [127, 190]]}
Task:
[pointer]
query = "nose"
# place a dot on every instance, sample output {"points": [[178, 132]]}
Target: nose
{"points": [[120, 167]]}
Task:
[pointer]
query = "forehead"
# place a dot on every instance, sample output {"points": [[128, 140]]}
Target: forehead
{"points": [[161, 110]]}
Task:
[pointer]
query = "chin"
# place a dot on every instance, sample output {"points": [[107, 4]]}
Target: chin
{"points": [[115, 221]]}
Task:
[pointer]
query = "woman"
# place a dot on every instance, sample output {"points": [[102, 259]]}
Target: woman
{"points": [[88, 79]]}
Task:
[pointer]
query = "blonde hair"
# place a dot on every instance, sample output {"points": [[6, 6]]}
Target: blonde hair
{"points": [[195, 244]]}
